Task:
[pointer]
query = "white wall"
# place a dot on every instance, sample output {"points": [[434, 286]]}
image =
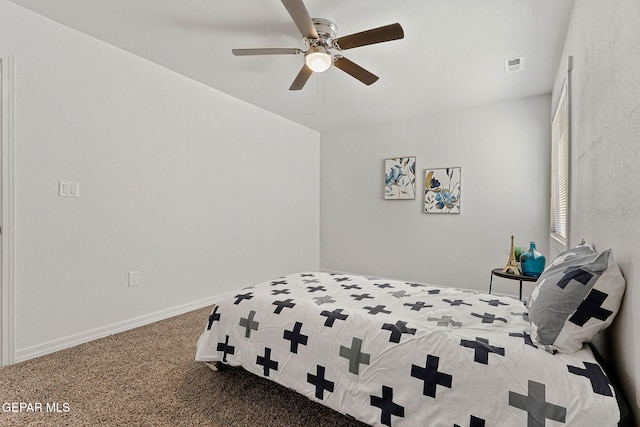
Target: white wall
{"points": [[503, 150], [200, 192], [604, 40]]}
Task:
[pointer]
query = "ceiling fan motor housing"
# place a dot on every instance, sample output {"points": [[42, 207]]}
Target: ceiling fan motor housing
{"points": [[327, 31]]}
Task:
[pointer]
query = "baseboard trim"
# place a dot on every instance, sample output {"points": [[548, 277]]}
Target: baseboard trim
{"points": [[24, 354]]}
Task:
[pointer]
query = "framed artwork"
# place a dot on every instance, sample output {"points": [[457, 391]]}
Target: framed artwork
{"points": [[442, 190], [400, 178]]}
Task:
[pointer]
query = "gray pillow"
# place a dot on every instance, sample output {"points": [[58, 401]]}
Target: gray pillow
{"points": [[575, 297]]}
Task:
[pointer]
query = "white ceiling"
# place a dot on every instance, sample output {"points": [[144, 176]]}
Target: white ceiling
{"points": [[452, 56]]}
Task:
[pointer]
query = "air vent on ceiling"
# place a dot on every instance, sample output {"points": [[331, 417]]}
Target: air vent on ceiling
{"points": [[514, 64]]}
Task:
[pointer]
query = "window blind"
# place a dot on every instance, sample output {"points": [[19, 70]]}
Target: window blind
{"points": [[560, 169]]}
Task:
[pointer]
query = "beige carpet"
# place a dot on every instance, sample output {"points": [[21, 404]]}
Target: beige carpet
{"points": [[147, 377]]}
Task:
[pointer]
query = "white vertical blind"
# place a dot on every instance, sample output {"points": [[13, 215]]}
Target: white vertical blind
{"points": [[560, 169]]}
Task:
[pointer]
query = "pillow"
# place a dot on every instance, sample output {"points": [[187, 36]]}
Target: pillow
{"points": [[575, 297]]}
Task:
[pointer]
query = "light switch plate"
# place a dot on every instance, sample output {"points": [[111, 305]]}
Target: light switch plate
{"points": [[69, 189]]}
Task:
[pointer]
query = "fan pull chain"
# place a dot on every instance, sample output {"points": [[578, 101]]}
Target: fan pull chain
{"points": [[315, 91]]}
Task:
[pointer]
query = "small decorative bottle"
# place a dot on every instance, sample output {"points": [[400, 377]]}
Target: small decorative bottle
{"points": [[532, 262]]}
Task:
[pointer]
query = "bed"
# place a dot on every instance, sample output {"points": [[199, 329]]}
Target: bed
{"points": [[397, 353]]}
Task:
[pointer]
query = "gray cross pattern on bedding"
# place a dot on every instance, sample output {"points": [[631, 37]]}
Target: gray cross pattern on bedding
{"points": [[393, 353]]}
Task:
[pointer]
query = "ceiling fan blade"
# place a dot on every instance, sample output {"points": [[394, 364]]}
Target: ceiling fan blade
{"points": [[266, 51], [300, 16], [301, 78], [355, 70], [375, 35]]}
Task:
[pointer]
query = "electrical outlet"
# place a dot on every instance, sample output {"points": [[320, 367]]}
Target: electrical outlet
{"points": [[134, 278]]}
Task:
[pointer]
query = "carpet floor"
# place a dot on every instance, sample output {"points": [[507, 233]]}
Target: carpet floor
{"points": [[148, 377]]}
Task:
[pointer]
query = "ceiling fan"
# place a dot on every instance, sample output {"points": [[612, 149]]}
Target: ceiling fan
{"points": [[319, 36]]}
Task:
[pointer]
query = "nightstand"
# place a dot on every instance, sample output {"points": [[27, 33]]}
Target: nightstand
{"points": [[519, 277]]}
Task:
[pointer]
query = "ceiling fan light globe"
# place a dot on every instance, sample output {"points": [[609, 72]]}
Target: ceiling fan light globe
{"points": [[318, 61]]}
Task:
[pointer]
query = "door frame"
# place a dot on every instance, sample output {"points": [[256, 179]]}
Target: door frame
{"points": [[7, 212]]}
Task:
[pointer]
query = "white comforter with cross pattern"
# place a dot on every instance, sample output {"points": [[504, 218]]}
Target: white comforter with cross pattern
{"points": [[406, 354]]}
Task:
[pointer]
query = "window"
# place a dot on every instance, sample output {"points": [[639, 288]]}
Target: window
{"points": [[560, 170]]}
